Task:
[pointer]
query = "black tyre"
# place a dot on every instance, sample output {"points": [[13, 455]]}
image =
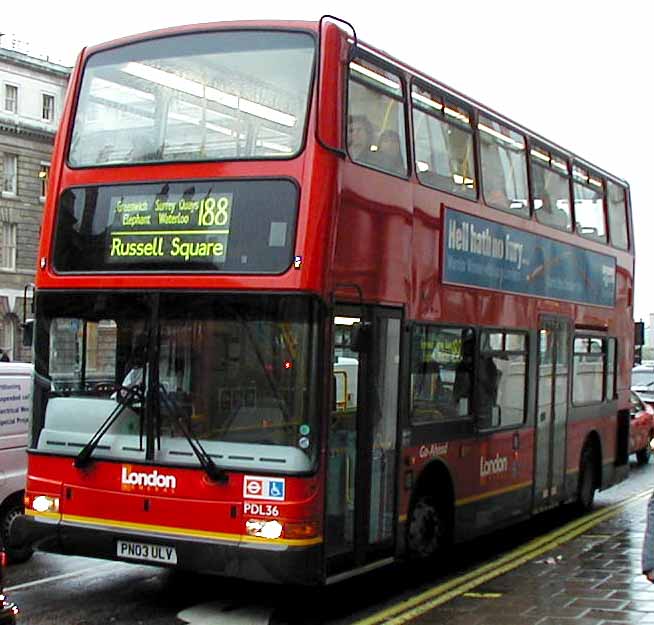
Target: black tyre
{"points": [[587, 481], [8, 515], [428, 531], [643, 455]]}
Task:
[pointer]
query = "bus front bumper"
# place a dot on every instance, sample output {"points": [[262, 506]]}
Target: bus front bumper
{"points": [[254, 561]]}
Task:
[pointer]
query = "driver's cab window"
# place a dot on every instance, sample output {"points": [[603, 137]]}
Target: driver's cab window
{"points": [[83, 354]]}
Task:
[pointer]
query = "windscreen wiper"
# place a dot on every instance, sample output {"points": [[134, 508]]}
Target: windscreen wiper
{"points": [[206, 462], [127, 397]]}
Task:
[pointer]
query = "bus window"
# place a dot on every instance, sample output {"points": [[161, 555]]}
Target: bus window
{"points": [[502, 379], [444, 144], [610, 369], [503, 167], [376, 135], [550, 189], [201, 96], [82, 354], [617, 216], [441, 373], [589, 205], [588, 371]]}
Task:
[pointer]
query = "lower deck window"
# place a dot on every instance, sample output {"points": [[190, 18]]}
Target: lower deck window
{"points": [[441, 373], [591, 354]]}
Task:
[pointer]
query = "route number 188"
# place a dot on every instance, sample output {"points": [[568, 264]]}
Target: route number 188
{"points": [[214, 212]]}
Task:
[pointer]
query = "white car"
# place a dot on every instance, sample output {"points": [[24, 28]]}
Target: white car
{"points": [[16, 382], [642, 382]]}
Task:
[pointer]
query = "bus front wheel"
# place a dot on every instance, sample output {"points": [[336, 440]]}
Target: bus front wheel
{"points": [[428, 530]]}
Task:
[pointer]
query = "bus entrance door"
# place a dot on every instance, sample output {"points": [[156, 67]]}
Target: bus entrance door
{"points": [[551, 412], [362, 465]]}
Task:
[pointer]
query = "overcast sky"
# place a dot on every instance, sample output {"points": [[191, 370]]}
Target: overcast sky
{"points": [[576, 71]]}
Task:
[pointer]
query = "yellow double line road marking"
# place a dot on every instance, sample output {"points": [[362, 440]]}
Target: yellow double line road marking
{"points": [[410, 609]]}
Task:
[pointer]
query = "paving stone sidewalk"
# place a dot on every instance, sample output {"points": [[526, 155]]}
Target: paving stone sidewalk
{"points": [[593, 580]]}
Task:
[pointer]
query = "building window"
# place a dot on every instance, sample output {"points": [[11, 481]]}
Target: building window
{"points": [[44, 174], [8, 246], [6, 338], [48, 107], [10, 174], [11, 98]]}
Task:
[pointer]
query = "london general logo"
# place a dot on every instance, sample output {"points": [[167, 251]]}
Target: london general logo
{"points": [[256, 487]]}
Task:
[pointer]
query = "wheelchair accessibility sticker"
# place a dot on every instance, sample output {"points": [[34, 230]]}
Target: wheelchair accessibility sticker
{"points": [[255, 487]]}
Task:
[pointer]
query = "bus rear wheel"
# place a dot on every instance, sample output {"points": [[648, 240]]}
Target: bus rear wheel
{"points": [[428, 531], [587, 482]]}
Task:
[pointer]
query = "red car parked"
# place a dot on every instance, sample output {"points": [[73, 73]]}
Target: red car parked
{"points": [[641, 432]]}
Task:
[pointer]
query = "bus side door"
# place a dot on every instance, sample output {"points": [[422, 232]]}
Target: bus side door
{"points": [[362, 463], [551, 411]]}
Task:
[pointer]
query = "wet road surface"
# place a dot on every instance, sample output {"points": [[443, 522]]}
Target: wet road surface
{"points": [[554, 570]]}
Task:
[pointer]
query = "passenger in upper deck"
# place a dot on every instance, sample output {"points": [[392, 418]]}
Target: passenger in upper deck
{"points": [[359, 138], [389, 153], [550, 213]]}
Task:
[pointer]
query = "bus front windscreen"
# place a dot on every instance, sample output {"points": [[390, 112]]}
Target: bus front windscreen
{"points": [[226, 95], [231, 371]]}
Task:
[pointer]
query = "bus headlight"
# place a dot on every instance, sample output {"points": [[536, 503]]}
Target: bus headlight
{"points": [[45, 503], [263, 529]]}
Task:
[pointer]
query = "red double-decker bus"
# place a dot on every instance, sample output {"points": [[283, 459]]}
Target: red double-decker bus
{"points": [[301, 310]]}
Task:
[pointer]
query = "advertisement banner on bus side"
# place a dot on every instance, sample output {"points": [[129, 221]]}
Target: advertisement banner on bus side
{"points": [[486, 254]]}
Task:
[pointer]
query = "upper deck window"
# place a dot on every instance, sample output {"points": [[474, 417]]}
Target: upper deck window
{"points": [[375, 134], [206, 96], [444, 144], [617, 215], [589, 204], [503, 167], [550, 176]]}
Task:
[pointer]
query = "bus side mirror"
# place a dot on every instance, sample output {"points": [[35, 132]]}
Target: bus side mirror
{"points": [[332, 74], [361, 337], [28, 333]]}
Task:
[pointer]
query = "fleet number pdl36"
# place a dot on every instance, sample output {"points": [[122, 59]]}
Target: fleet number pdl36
{"points": [[260, 509]]}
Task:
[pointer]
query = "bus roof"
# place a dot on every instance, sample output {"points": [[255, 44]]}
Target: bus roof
{"points": [[314, 26]]}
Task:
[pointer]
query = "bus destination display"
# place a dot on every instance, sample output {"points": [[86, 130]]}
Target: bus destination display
{"points": [[156, 229]]}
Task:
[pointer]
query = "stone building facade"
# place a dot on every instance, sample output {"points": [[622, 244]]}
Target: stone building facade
{"points": [[32, 94]]}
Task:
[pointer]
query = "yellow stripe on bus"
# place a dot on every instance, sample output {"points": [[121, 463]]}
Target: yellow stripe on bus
{"points": [[45, 515], [493, 493], [179, 531]]}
